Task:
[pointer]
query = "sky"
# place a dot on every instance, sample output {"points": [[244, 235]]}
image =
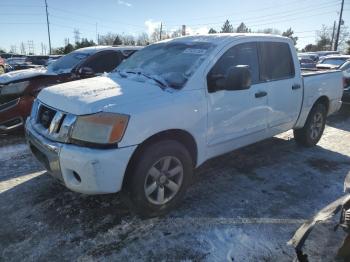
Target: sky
{"points": [[25, 20]]}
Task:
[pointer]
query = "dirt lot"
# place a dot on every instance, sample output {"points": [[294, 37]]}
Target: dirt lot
{"points": [[243, 206]]}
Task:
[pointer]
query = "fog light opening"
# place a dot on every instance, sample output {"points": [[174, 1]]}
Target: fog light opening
{"points": [[76, 176]]}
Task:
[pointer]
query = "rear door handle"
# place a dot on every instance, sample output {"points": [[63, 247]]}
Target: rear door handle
{"points": [[260, 94], [296, 86]]}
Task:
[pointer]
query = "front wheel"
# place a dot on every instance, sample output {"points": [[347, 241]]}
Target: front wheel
{"points": [[313, 129], [159, 179]]}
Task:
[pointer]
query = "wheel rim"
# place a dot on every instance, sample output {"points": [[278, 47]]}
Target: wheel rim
{"points": [[316, 126], [163, 180]]}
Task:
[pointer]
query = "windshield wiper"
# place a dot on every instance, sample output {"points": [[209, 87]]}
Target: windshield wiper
{"points": [[159, 81]]}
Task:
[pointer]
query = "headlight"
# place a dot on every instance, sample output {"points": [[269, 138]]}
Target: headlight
{"points": [[347, 184], [15, 88], [101, 128]]}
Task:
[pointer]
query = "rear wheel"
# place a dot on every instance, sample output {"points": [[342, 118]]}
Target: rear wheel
{"points": [[313, 129], [159, 179]]}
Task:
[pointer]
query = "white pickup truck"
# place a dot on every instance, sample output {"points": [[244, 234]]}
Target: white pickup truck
{"points": [[143, 128]]}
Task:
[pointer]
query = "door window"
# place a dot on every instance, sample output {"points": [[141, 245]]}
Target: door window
{"points": [[243, 54], [104, 61]]}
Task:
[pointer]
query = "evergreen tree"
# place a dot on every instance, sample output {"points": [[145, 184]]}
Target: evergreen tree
{"points": [[68, 48], [117, 41], [242, 28], [289, 33], [212, 31], [227, 27]]}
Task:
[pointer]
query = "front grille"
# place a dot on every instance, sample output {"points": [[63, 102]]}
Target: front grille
{"points": [[9, 104], [51, 123], [45, 116]]}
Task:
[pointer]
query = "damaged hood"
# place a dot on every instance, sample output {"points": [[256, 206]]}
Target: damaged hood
{"points": [[23, 75], [97, 94]]}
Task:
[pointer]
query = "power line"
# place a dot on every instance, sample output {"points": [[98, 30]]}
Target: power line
{"points": [[268, 16]]}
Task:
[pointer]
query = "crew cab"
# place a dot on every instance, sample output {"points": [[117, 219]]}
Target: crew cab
{"points": [[145, 127], [19, 88]]}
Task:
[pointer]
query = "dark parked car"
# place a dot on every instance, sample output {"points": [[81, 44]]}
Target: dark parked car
{"points": [[19, 88], [307, 63], [345, 68]]}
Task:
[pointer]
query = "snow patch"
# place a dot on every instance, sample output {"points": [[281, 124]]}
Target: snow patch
{"points": [[8, 152]]}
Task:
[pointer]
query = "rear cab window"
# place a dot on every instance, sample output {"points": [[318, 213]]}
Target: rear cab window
{"points": [[276, 61]]}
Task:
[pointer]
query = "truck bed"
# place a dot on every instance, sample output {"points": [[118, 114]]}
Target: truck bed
{"points": [[313, 72]]}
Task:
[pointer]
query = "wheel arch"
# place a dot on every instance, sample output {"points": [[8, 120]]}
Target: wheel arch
{"points": [[179, 135], [322, 100]]}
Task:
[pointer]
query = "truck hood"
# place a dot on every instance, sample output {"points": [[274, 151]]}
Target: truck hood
{"points": [[97, 94], [23, 75]]}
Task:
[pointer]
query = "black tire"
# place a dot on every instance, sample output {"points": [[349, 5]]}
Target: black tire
{"points": [[305, 135], [137, 179]]}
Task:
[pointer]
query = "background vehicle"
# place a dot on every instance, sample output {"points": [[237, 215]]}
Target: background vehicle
{"points": [[19, 88], [332, 62], [19, 63], [2, 66], [342, 206], [307, 63], [313, 56], [345, 68], [172, 106]]}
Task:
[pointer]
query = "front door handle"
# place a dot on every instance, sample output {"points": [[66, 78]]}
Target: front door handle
{"points": [[260, 94], [296, 86]]}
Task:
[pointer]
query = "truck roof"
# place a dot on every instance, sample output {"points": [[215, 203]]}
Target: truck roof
{"points": [[223, 37]]}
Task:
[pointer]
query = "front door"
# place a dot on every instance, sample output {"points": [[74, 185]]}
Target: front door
{"points": [[236, 117]]}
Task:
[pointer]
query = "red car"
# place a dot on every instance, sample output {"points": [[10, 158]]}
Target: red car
{"points": [[18, 89]]}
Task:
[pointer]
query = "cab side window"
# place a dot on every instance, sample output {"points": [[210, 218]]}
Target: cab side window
{"points": [[276, 61], [104, 61], [240, 55]]}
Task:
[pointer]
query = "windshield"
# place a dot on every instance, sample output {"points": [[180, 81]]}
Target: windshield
{"points": [[67, 62], [345, 66], [333, 61], [172, 62]]}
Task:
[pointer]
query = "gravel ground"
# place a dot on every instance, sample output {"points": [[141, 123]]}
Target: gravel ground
{"points": [[243, 206]]}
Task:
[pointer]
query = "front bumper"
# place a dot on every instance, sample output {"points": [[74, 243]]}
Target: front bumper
{"points": [[81, 169], [341, 205]]}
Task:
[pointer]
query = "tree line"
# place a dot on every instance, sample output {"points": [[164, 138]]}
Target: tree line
{"points": [[324, 38]]}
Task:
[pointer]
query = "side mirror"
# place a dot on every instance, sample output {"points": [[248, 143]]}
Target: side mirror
{"points": [[238, 78], [86, 72]]}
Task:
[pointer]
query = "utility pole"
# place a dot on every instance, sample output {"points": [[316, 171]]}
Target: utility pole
{"points": [[96, 34], [161, 30], [48, 27], [339, 25], [333, 35]]}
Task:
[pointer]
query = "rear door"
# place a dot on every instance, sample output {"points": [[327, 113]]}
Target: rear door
{"points": [[283, 83]]}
